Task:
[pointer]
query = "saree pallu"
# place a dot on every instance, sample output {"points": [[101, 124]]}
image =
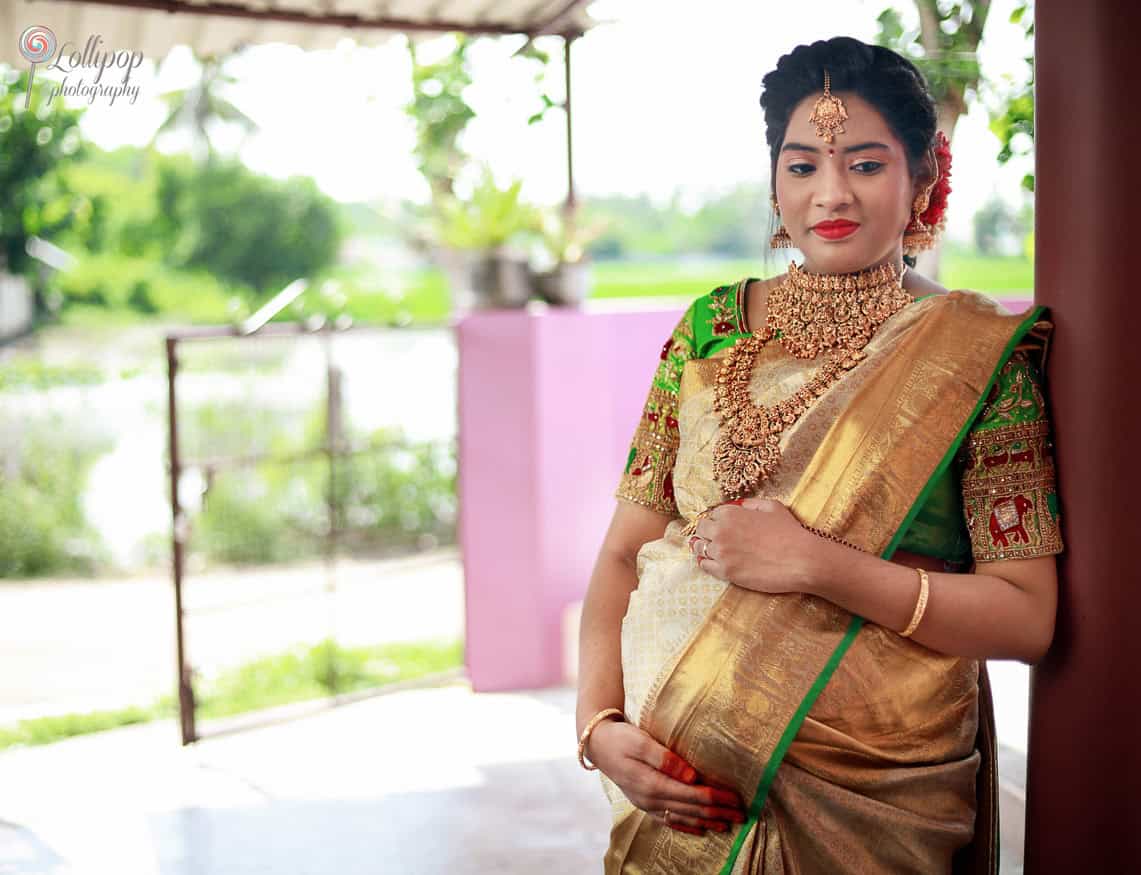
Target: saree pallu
{"points": [[857, 750]]}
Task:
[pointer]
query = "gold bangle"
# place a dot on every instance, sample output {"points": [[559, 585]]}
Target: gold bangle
{"points": [[585, 737], [920, 605]]}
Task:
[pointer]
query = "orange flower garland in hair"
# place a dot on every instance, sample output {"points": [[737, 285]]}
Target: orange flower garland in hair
{"points": [[935, 216]]}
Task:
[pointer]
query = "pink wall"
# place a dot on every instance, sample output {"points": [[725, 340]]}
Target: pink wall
{"points": [[548, 402]]}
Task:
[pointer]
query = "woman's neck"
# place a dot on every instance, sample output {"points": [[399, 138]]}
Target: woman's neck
{"points": [[892, 258]]}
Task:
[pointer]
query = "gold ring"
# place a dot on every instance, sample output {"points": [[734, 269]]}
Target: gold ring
{"points": [[666, 815], [705, 548]]}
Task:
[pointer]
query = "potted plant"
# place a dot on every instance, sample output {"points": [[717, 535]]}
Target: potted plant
{"points": [[565, 238], [483, 242]]}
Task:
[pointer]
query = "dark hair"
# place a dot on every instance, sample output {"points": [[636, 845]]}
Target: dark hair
{"points": [[885, 79]]}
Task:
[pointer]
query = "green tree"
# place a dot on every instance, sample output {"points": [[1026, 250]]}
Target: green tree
{"points": [[35, 199], [997, 223], [203, 106], [734, 224], [1015, 113], [249, 229], [944, 47]]}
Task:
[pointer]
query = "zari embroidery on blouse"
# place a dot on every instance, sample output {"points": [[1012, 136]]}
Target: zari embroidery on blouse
{"points": [[725, 310], [648, 477], [1008, 483]]}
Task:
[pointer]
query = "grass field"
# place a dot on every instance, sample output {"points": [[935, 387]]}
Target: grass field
{"points": [[295, 676], [424, 297], [421, 296]]}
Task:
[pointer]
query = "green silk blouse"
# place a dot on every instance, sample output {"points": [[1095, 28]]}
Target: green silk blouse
{"points": [[953, 524]]}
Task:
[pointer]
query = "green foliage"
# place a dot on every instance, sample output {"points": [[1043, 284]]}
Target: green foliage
{"points": [[943, 46], [46, 730], [398, 493], [540, 61], [141, 285], [249, 229], [323, 669], [318, 671], [389, 496], [43, 529], [33, 374], [1013, 122], [35, 199], [567, 240], [115, 208], [996, 223], [490, 218], [158, 234], [733, 224], [441, 114]]}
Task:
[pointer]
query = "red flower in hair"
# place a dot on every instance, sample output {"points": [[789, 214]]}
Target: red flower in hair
{"points": [[935, 214]]}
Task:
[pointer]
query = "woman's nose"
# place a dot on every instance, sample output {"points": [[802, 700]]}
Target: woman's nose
{"points": [[833, 190]]}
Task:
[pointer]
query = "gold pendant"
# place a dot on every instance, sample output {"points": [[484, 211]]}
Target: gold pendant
{"points": [[813, 313]]}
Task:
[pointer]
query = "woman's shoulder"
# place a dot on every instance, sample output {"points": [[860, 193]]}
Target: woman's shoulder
{"points": [[719, 314]]}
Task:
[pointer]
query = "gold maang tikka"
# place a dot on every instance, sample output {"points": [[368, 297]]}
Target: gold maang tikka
{"points": [[828, 113]]}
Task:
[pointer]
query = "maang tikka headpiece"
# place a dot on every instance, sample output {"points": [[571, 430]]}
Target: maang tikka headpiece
{"points": [[828, 114]]}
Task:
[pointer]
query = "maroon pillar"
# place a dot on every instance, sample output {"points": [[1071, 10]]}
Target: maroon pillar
{"points": [[1084, 782]]}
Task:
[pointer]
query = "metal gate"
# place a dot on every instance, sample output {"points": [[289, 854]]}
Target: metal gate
{"points": [[273, 482]]}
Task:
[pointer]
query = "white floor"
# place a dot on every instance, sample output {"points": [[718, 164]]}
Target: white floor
{"points": [[422, 781]]}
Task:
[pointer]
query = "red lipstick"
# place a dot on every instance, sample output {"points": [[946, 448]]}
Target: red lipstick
{"points": [[835, 229]]}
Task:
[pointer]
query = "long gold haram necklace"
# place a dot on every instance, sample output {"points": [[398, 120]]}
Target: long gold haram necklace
{"points": [[837, 313]]}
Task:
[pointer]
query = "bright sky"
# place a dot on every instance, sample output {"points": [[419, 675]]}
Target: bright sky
{"points": [[665, 99]]}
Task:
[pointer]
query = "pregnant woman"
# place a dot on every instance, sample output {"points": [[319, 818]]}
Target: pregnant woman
{"points": [[838, 504]]}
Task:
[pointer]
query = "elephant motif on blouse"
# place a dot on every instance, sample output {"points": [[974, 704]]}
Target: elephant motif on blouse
{"points": [[1006, 521]]}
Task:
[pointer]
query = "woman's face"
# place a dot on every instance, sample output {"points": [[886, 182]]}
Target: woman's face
{"points": [[860, 182]]}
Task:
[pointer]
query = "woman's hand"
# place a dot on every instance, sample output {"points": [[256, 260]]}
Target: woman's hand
{"points": [[657, 780], [755, 543]]}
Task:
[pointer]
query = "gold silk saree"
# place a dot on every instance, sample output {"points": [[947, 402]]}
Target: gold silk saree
{"points": [[856, 750]]}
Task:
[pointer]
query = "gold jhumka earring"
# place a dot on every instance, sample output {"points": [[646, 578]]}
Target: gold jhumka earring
{"points": [[779, 240], [918, 236], [828, 113]]}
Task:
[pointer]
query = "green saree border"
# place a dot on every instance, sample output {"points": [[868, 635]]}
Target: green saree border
{"points": [[790, 731], [857, 622], [1024, 326]]}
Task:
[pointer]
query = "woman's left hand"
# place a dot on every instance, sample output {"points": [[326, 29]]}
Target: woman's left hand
{"points": [[755, 543]]}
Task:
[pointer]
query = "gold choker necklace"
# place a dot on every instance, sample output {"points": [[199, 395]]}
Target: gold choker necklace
{"points": [[809, 314]]}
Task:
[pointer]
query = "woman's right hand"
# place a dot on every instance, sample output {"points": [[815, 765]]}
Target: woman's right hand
{"points": [[656, 780]]}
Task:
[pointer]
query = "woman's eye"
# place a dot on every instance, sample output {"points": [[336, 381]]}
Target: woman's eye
{"points": [[800, 169], [867, 166]]}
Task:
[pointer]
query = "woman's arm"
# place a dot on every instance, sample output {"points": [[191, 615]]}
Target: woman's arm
{"points": [[614, 578], [1004, 610], [653, 778]]}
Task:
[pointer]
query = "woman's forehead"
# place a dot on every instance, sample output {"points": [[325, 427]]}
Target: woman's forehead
{"points": [[863, 124]]}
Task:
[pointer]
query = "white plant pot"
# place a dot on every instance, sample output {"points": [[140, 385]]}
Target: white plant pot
{"points": [[498, 279], [566, 284]]}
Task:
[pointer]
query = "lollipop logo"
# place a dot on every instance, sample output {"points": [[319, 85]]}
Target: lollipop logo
{"points": [[37, 44]]}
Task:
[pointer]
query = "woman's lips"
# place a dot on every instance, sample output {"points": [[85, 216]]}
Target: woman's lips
{"points": [[835, 230]]}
